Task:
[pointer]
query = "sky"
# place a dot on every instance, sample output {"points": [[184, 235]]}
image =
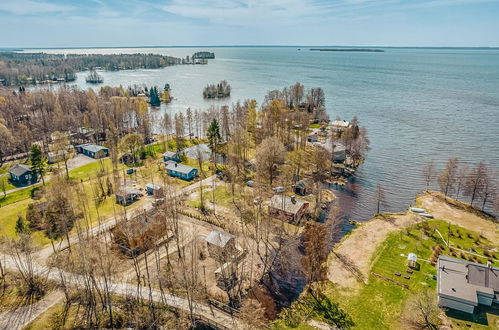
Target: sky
{"points": [[128, 23]]}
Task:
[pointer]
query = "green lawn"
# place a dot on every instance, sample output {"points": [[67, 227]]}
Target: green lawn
{"points": [[223, 196], [89, 171], [379, 304], [16, 196], [4, 180]]}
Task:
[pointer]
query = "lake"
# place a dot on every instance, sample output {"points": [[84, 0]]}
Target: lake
{"points": [[417, 104]]}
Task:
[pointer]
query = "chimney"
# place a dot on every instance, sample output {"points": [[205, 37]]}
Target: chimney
{"points": [[293, 199]]}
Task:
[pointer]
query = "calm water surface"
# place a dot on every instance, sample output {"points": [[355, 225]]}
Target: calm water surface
{"points": [[417, 104]]}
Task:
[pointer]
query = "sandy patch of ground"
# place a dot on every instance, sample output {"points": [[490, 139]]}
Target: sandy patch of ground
{"points": [[459, 214], [350, 262]]}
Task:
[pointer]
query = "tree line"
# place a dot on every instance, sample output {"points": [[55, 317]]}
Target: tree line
{"points": [[476, 183], [26, 68]]}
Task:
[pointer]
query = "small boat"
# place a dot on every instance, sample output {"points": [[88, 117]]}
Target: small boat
{"points": [[417, 210], [426, 215]]}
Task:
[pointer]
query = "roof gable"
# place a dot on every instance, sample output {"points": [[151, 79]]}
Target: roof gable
{"points": [[19, 169]]}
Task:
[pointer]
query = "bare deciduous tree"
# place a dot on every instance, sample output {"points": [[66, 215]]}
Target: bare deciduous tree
{"points": [[379, 195], [269, 155], [422, 311], [447, 178], [429, 172]]}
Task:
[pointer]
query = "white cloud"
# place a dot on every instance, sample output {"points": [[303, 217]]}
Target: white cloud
{"points": [[247, 12], [30, 7]]}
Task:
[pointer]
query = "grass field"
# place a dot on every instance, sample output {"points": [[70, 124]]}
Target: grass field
{"points": [[379, 303]]}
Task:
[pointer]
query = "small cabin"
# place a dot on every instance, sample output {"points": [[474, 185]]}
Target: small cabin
{"points": [[182, 171], [339, 153], [92, 150], [127, 195], [221, 245], [154, 189], [21, 174], [287, 208], [171, 156]]}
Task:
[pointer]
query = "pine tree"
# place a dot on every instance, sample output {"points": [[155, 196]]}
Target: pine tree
{"points": [[214, 137], [154, 99], [21, 227], [38, 161]]}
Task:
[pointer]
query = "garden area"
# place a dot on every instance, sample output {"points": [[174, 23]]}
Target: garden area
{"points": [[382, 302]]}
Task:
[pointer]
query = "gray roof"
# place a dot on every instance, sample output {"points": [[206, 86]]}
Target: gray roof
{"points": [[128, 191], [153, 186], [181, 168], [463, 280], [170, 154], [285, 203], [19, 169], [92, 147], [219, 238]]}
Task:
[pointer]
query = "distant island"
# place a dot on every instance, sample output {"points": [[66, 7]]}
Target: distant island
{"points": [[94, 78], [347, 50], [218, 91], [203, 55]]}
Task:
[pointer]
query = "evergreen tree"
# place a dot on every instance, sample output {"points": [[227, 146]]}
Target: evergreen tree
{"points": [[214, 137], [38, 161], [21, 227], [154, 99]]}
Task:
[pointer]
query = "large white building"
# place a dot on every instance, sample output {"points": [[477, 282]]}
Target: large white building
{"points": [[462, 285]]}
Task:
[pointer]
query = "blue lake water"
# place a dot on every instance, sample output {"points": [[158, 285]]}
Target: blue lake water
{"points": [[417, 104]]}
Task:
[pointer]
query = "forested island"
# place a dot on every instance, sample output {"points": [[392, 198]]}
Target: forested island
{"points": [[203, 55], [18, 69], [218, 91], [94, 78]]}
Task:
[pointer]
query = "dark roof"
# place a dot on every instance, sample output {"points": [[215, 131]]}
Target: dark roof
{"points": [[19, 169], [219, 238], [92, 147], [181, 168]]}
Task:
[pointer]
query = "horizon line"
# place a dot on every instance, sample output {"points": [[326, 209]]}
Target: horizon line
{"points": [[248, 46]]}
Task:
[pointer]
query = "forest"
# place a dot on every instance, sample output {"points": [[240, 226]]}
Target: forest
{"points": [[29, 68]]}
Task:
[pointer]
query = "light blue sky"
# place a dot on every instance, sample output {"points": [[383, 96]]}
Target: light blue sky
{"points": [[74, 23]]}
